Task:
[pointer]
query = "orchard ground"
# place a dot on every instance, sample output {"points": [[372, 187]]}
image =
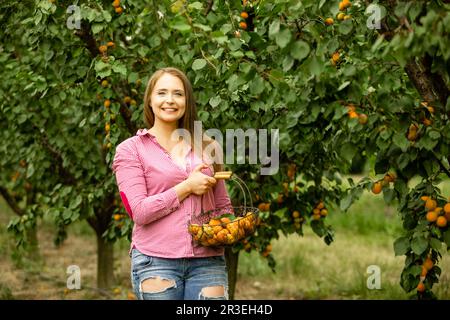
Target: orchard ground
{"points": [[306, 267]]}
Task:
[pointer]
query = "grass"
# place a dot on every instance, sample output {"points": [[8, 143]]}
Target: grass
{"points": [[306, 267]]}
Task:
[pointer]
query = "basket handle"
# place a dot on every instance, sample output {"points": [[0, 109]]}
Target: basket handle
{"points": [[240, 183]]}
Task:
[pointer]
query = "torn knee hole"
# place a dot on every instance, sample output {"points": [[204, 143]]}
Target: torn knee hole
{"points": [[157, 284], [213, 292]]}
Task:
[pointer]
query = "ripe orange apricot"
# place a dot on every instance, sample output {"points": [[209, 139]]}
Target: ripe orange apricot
{"points": [[244, 14], [336, 56], [441, 222], [424, 272], [421, 287], [377, 187], [103, 49], [363, 118], [329, 21], [430, 204], [243, 25], [119, 10], [428, 263], [107, 103], [262, 206], [432, 216], [352, 114], [447, 208]]}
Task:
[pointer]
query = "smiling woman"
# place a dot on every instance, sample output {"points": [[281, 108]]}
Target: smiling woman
{"points": [[162, 182]]}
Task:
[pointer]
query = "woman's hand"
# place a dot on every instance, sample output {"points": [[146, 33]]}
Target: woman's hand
{"points": [[198, 182]]}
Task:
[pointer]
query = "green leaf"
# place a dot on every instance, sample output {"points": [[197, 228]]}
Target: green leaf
{"points": [[97, 27], [348, 151], [401, 246], [446, 238], [107, 16], [402, 161], [343, 85], [215, 101], [274, 28], [345, 27], [179, 24], [436, 244], [257, 85], [434, 134], [315, 66], [300, 50], [283, 38], [132, 77], [400, 140], [103, 69], [388, 195], [118, 67], [198, 64], [82, 123], [196, 5], [419, 245], [346, 202]]}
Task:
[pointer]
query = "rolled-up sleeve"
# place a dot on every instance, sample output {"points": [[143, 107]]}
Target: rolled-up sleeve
{"points": [[130, 180]]}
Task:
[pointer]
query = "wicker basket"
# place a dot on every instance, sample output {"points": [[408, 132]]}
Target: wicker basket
{"points": [[224, 226]]}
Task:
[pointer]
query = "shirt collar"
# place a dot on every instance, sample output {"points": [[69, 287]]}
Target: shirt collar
{"points": [[143, 132]]}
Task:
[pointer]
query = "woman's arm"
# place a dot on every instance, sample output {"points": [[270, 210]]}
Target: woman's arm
{"points": [[131, 183]]}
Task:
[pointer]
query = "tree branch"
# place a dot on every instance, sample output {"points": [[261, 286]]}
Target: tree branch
{"points": [[126, 114], [209, 7], [11, 201], [85, 34], [66, 176]]}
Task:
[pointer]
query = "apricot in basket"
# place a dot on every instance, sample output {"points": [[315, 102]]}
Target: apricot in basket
{"points": [[224, 230]]}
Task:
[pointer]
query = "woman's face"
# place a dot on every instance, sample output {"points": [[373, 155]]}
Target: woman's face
{"points": [[168, 99]]}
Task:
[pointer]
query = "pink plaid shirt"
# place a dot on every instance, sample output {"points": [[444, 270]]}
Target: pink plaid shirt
{"points": [[146, 176]]}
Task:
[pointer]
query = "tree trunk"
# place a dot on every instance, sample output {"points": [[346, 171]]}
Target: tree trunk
{"points": [[105, 263], [232, 264], [431, 86], [33, 244]]}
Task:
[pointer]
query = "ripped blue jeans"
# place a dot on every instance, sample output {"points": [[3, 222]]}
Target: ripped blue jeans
{"points": [[187, 277]]}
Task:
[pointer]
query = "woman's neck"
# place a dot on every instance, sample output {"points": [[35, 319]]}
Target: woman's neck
{"points": [[163, 129]]}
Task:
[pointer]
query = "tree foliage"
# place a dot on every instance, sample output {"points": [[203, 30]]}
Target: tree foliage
{"points": [[337, 89]]}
